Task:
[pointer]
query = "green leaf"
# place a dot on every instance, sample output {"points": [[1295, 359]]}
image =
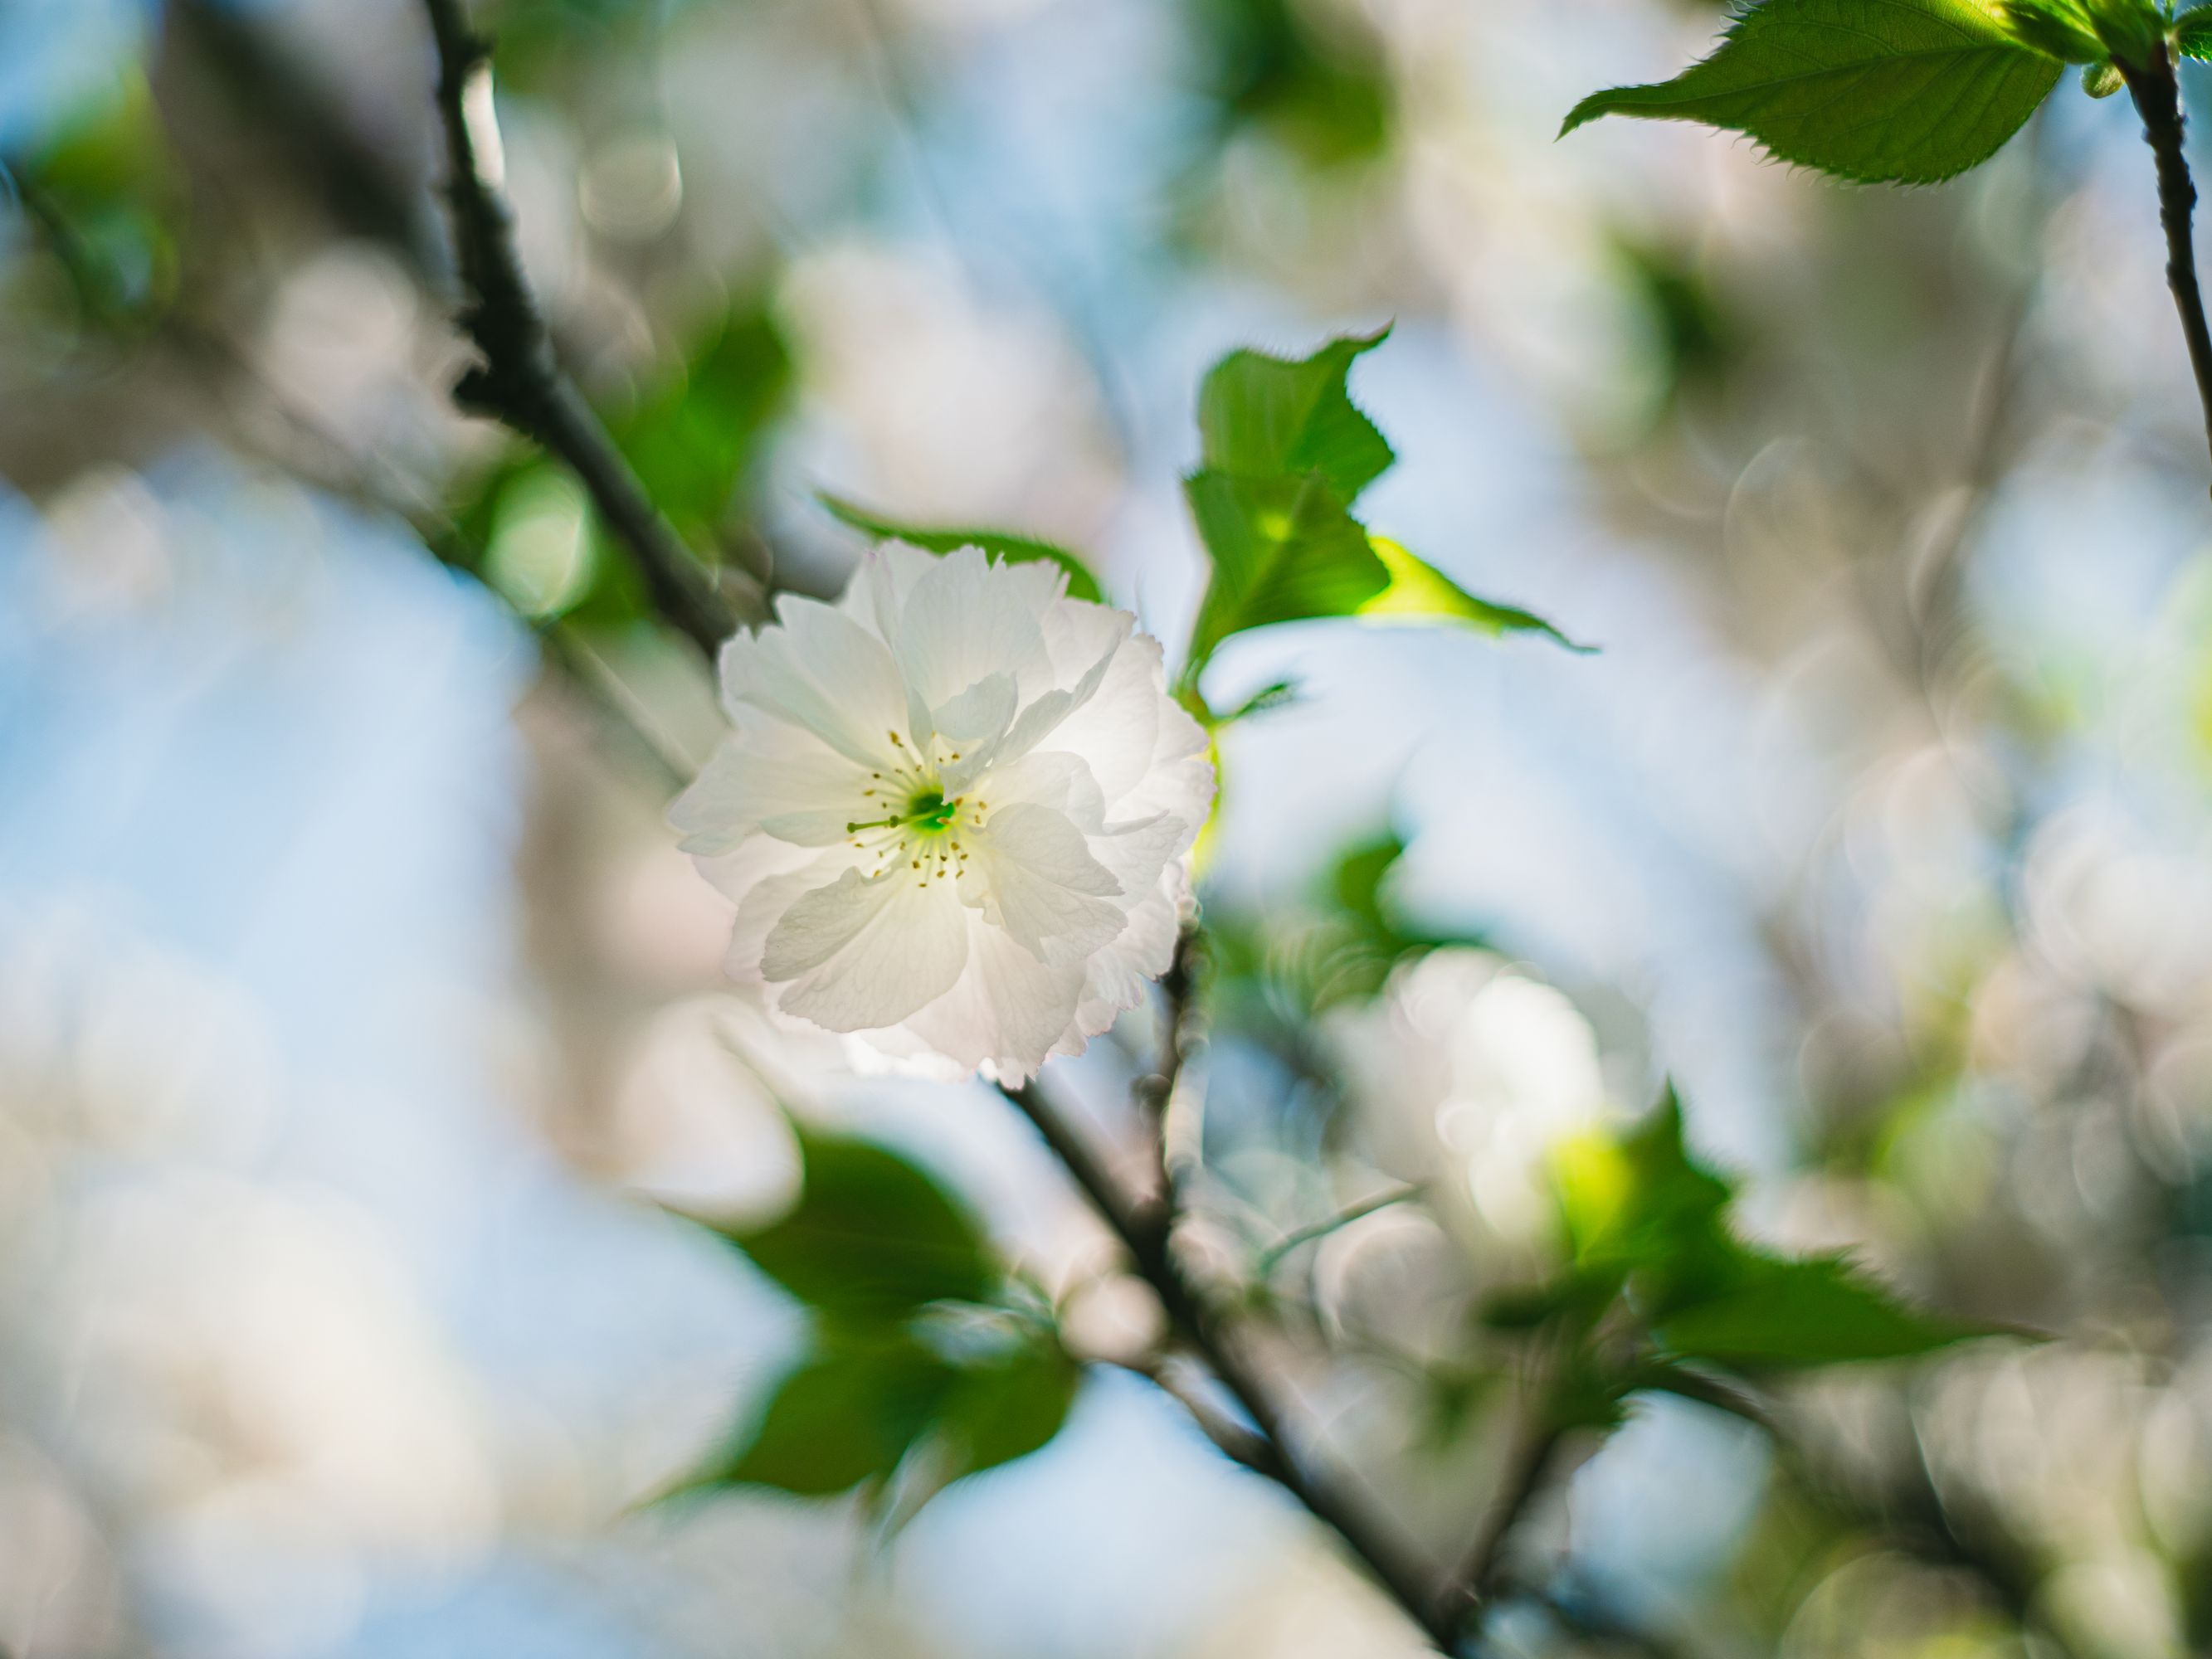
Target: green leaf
{"points": [[692, 436], [2192, 33], [846, 1416], [1008, 1406], [2065, 29], [1911, 91], [1014, 549], [1419, 592], [1641, 1200], [871, 1237], [1357, 882], [1284, 550], [1262, 416], [1816, 1312]]}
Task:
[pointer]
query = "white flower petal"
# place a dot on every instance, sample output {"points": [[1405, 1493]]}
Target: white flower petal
{"points": [[953, 817], [820, 670], [963, 622], [1032, 874], [1008, 1010], [797, 794], [863, 952]]}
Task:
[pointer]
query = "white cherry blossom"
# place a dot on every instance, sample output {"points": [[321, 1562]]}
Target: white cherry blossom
{"points": [[953, 812]]}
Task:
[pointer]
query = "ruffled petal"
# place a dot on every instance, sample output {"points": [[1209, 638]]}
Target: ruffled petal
{"points": [[1032, 873], [1008, 1012], [756, 784], [963, 622], [863, 951], [819, 670]]}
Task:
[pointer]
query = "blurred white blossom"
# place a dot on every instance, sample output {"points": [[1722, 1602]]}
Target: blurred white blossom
{"points": [[1468, 1075], [953, 814]]}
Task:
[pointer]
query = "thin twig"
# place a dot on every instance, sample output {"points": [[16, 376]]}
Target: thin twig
{"points": [[2157, 97], [1272, 1255], [518, 380], [1143, 1234]]}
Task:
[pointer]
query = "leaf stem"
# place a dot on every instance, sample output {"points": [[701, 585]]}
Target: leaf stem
{"points": [[1272, 1257], [518, 380], [2157, 95]]}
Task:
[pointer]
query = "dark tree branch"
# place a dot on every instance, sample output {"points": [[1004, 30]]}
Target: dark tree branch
{"points": [[517, 380], [2157, 95], [1143, 1231]]}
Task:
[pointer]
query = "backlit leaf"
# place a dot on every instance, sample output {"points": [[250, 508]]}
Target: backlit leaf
{"points": [[1262, 417], [1907, 90], [1284, 550], [1419, 592], [2193, 33]]}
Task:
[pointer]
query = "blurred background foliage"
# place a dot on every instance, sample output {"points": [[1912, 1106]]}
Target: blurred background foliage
{"points": [[354, 1004]]}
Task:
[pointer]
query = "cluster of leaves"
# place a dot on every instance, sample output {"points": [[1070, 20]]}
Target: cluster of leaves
{"points": [[691, 432], [1908, 91], [1284, 455], [1657, 1290], [923, 1358]]}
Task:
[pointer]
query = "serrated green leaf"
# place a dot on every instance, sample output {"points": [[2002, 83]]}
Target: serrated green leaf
{"points": [[872, 1236], [1262, 417], [999, 543], [2193, 33], [1910, 91], [1007, 1406], [1284, 550], [846, 1416], [1419, 592], [2064, 29], [1820, 1311], [1640, 1200]]}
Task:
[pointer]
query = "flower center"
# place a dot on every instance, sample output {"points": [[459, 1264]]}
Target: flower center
{"points": [[924, 834], [930, 812]]}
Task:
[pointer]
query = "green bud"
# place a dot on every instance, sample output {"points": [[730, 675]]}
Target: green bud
{"points": [[2102, 80]]}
